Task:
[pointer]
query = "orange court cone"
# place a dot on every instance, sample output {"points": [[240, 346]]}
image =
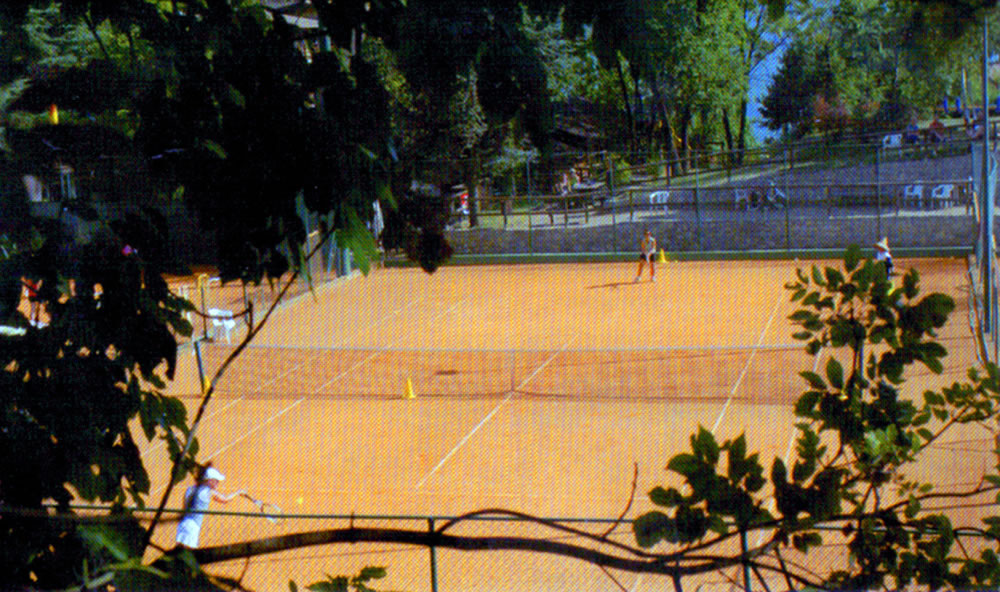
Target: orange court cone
{"points": [[662, 258], [408, 391]]}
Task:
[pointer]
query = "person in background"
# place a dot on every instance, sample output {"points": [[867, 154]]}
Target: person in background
{"points": [[883, 254], [647, 252]]}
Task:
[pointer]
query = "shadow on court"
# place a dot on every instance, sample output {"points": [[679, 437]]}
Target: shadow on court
{"points": [[618, 284]]}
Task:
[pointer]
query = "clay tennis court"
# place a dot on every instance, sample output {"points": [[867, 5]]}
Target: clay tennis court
{"points": [[538, 388]]}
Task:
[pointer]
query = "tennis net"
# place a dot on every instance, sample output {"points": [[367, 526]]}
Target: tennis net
{"points": [[765, 373]]}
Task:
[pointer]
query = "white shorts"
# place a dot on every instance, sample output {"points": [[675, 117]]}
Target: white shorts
{"points": [[187, 534]]}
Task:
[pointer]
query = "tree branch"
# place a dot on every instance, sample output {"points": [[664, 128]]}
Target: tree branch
{"points": [[631, 498], [659, 564], [207, 397]]}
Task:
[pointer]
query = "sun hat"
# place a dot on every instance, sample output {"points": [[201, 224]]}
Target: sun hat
{"points": [[213, 473], [883, 244]]}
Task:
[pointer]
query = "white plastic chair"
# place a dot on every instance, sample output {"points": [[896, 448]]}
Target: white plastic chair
{"points": [[913, 194], [892, 141], [659, 198], [943, 195], [224, 319], [742, 199]]}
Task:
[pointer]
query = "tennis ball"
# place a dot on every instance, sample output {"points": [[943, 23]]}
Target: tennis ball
{"points": [[298, 501]]}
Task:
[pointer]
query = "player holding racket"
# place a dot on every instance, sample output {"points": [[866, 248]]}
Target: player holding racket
{"points": [[647, 249], [196, 500]]}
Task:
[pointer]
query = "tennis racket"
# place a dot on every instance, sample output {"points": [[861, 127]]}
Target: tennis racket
{"points": [[270, 511]]}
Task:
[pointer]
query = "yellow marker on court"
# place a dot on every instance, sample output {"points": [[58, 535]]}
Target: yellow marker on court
{"points": [[662, 258], [408, 392]]}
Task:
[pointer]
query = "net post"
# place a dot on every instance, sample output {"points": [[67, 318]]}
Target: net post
{"points": [[202, 283], [433, 549]]}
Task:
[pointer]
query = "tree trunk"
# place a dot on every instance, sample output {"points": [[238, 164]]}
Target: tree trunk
{"points": [[664, 114], [685, 134], [630, 120], [742, 140], [728, 129], [639, 108]]}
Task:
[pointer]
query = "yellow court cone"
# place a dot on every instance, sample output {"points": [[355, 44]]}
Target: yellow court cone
{"points": [[662, 258], [408, 392]]}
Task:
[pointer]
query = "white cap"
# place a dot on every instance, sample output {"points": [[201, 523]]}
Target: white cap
{"points": [[212, 473]]}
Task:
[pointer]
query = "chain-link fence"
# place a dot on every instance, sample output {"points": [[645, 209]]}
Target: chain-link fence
{"points": [[813, 197], [496, 551]]}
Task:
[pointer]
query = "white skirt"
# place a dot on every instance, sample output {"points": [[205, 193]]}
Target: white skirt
{"points": [[187, 533]]}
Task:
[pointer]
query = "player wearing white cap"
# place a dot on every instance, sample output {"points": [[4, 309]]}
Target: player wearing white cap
{"points": [[196, 500], [883, 254]]}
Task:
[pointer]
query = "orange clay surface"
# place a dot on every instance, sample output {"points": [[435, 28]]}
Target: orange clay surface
{"points": [[523, 434]]}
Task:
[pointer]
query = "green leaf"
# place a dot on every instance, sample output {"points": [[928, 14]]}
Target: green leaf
{"points": [[105, 538], [802, 335], [802, 315], [215, 148], [292, 586], [851, 257], [934, 399], [813, 379], [371, 572], [835, 373], [684, 464], [653, 527], [804, 541], [667, 498], [807, 403], [833, 278], [705, 446], [817, 276], [912, 507]]}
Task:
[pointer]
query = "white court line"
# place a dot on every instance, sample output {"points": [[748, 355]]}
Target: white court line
{"points": [[160, 443], [788, 451], [635, 584], [746, 367], [492, 413], [770, 504], [385, 318], [299, 401]]}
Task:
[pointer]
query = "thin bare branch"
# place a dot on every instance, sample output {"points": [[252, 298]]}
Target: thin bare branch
{"points": [[628, 506], [207, 396], [613, 578]]}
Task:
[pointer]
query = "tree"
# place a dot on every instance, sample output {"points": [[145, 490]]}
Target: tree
{"points": [[791, 96], [254, 134]]}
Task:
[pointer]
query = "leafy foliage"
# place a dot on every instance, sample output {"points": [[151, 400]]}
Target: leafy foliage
{"points": [[860, 433], [357, 583]]}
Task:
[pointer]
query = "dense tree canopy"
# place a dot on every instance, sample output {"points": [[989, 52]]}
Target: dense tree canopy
{"points": [[262, 130]]}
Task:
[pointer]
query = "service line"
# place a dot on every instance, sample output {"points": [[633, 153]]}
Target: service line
{"points": [[746, 367]]}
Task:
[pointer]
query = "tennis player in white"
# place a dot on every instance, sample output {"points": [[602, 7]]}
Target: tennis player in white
{"points": [[647, 249], [196, 500]]}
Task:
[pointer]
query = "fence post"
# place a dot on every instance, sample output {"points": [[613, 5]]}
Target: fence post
{"points": [[434, 578], [697, 209], [531, 248], [746, 564], [878, 195], [202, 281]]}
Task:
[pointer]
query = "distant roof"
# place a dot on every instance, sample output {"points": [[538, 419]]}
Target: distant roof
{"points": [[298, 13]]}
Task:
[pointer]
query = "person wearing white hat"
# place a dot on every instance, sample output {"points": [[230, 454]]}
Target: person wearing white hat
{"points": [[883, 254], [196, 500]]}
